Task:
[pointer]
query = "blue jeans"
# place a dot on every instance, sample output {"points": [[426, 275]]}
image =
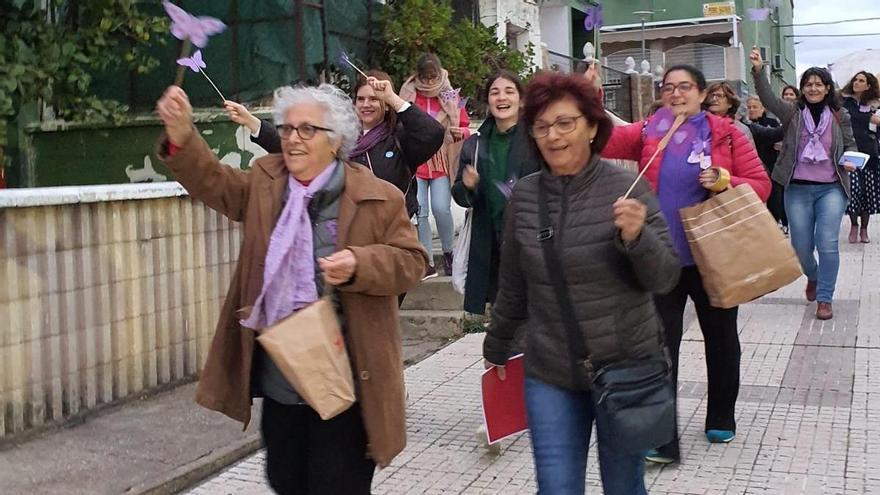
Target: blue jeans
{"points": [[441, 197], [814, 214], [560, 422]]}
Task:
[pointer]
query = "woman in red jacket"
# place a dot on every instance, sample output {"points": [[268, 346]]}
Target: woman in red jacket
{"points": [[708, 153]]}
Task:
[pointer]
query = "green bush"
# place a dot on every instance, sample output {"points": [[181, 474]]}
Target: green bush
{"points": [[51, 53], [408, 28]]}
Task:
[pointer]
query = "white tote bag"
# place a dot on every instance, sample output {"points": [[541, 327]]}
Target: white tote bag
{"points": [[462, 248], [460, 253]]}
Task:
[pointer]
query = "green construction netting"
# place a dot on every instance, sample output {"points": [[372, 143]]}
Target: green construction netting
{"points": [[260, 50]]}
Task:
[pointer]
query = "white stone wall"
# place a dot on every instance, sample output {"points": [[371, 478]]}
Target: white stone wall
{"points": [[523, 18]]}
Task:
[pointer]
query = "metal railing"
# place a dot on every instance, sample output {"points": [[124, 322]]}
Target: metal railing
{"points": [[615, 84]]}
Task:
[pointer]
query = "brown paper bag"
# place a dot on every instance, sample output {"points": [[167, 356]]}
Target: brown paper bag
{"points": [[309, 350], [738, 248]]}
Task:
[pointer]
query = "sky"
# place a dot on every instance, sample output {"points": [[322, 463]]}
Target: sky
{"points": [[822, 51]]}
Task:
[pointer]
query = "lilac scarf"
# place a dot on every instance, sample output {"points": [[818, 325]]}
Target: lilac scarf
{"points": [[289, 274], [814, 151], [371, 138]]}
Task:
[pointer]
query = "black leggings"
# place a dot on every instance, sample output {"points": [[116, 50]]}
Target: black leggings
{"points": [[721, 346], [307, 455]]}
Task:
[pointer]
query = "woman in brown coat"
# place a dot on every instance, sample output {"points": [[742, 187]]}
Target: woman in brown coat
{"points": [[310, 220]]}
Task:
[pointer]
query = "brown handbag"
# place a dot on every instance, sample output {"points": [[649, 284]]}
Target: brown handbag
{"points": [[309, 350], [739, 250]]}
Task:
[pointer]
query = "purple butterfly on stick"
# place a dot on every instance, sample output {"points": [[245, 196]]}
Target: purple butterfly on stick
{"points": [[185, 26], [344, 59], [191, 30], [197, 64]]}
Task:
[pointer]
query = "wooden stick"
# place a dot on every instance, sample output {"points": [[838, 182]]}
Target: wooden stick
{"points": [[660, 147], [181, 70], [355, 67]]}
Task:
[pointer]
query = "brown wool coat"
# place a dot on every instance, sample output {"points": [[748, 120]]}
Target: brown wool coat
{"points": [[372, 222]]}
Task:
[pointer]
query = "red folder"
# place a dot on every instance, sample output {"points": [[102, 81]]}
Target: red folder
{"points": [[504, 405]]}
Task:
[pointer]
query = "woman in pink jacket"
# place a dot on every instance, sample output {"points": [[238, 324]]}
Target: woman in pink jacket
{"points": [[707, 154]]}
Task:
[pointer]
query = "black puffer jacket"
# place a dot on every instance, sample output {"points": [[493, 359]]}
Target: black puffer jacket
{"points": [[610, 284], [395, 159]]}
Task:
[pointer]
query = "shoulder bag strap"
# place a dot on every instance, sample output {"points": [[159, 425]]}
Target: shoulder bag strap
{"points": [[546, 235]]}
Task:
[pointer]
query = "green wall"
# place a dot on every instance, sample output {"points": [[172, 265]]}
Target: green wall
{"points": [[105, 154]]}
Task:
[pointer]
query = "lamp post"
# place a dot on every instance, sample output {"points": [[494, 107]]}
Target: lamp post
{"points": [[643, 16]]}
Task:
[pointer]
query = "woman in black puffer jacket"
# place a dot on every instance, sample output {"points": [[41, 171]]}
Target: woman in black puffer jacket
{"points": [[615, 254]]}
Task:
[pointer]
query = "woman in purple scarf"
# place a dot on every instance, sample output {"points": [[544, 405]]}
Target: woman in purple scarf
{"points": [[396, 138], [816, 181]]}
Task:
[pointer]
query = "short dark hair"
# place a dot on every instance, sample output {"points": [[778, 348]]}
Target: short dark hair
{"points": [[426, 62], [797, 92], [548, 87], [390, 116], [873, 91], [831, 98], [732, 97], [502, 74], [695, 73]]}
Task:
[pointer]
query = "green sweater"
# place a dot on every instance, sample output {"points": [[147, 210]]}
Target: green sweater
{"points": [[496, 172]]}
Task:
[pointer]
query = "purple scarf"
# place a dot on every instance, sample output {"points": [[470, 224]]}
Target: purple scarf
{"points": [[370, 139], [289, 274], [814, 151]]}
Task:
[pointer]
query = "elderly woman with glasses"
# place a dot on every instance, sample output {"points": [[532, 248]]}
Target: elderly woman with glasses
{"points": [[613, 254], [708, 154], [723, 102], [311, 221]]}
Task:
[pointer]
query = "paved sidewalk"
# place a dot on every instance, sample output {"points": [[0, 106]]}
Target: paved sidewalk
{"points": [[807, 415], [155, 445]]}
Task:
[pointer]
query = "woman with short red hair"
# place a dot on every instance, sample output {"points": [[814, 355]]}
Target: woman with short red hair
{"points": [[610, 255]]}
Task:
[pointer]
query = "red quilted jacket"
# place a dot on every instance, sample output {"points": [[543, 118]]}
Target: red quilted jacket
{"points": [[731, 150]]}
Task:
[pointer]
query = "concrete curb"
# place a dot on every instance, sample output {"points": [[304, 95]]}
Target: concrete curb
{"points": [[190, 474]]}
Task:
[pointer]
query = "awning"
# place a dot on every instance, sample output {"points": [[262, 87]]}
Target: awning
{"points": [[697, 26]]}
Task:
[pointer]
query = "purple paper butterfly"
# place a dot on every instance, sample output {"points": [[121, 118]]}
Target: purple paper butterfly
{"points": [[196, 63], [594, 19], [659, 123], [758, 14], [187, 26], [506, 188], [462, 102], [449, 95]]}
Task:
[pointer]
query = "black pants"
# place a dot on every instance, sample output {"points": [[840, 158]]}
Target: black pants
{"points": [[722, 349], [307, 455], [776, 203]]}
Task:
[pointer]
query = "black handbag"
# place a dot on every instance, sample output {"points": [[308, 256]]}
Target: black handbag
{"points": [[634, 397]]}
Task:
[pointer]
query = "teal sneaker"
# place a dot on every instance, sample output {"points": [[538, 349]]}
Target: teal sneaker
{"points": [[656, 457], [720, 436]]}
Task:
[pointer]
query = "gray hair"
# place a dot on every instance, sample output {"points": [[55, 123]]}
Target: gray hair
{"points": [[340, 114]]}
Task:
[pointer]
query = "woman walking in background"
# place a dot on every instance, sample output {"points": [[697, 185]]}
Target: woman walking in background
{"points": [[817, 132], [723, 102], [430, 90], [860, 99], [492, 161], [716, 156]]}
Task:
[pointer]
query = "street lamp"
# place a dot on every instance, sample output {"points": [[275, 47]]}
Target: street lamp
{"points": [[643, 16]]}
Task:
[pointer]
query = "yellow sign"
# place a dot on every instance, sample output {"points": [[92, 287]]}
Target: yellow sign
{"points": [[719, 8]]}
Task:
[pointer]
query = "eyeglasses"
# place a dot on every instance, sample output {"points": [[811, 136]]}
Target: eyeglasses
{"points": [[563, 124], [717, 96], [682, 87], [305, 131]]}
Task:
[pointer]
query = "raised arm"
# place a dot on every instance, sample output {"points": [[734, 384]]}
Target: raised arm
{"points": [[419, 135], [625, 142], [266, 136], [783, 109], [192, 162]]}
